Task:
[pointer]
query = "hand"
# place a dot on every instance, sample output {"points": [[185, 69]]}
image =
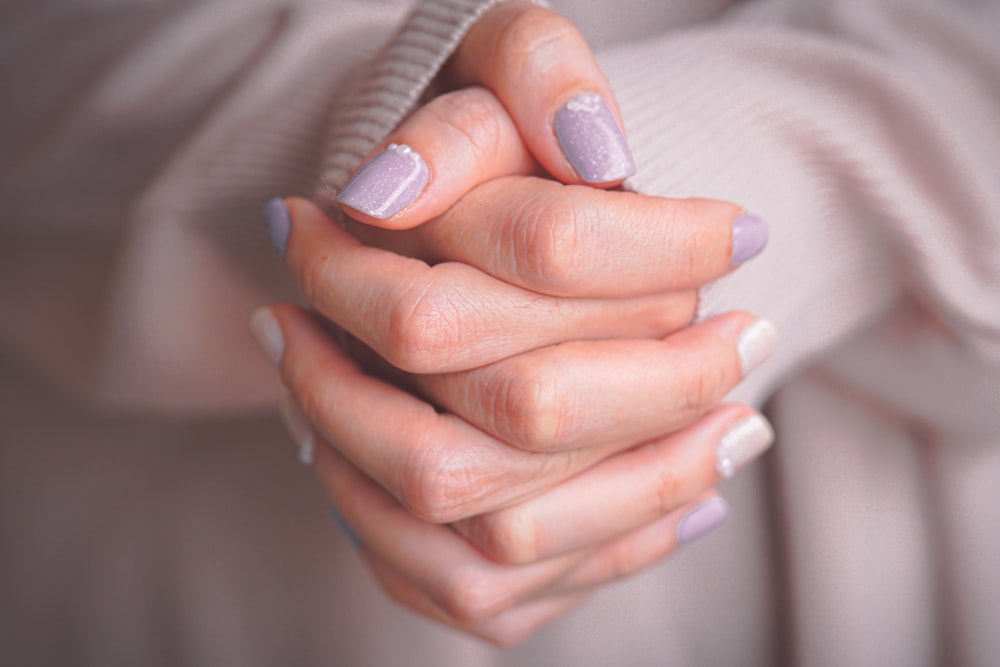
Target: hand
{"points": [[558, 238], [502, 572]]}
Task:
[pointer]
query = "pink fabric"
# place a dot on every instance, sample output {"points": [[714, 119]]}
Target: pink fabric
{"points": [[154, 514]]}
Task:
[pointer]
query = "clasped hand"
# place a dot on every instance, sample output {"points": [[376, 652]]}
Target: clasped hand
{"points": [[500, 385]]}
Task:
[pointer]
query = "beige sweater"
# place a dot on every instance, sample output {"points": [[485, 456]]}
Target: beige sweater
{"points": [[155, 518]]}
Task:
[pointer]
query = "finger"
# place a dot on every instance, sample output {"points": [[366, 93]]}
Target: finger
{"points": [[508, 628], [450, 316], [625, 492], [461, 585], [581, 242], [646, 546], [582, 393], [436, 465], [446, 148], [542, 70]]}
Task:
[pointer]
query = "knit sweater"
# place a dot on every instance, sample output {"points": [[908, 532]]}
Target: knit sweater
{"points": [[143, 139]]}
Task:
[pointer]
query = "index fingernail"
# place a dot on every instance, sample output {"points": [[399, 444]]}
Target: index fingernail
{"points": [[389, 183], [592, 140]]}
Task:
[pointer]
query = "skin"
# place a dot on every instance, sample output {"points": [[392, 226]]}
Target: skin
{"points": [[524, 411]]}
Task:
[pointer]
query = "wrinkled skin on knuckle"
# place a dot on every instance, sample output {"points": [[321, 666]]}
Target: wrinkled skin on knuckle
{"points": [[533, 40], [475, 116], [550, 244], [439, 484], [508, 537], [470, 595], [427, 322], [531, 405]]}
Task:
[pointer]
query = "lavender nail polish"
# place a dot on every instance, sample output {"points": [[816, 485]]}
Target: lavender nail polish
{"points": [[701, 520], [750, 234], [387, 184], [345, 527], [592, 140], [278, 222]]}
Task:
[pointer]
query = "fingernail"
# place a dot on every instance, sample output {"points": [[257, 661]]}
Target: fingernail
{"points": [[750, 234], [278, 222], [299, 428], [592, 140], [387, 184], [345, 527], [267, 333], [701, 520], [756, 344], [743, 442]]}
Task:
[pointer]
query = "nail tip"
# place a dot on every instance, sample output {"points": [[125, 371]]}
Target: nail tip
{"points": [[388, 183], [701, 520], [593, 141], [743, 442], [345, 528], [278, 223], [757, 344], [266, 332], [751, 234]]}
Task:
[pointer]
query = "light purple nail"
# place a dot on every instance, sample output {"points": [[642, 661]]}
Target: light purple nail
{"points": [[701, 520], [278, 222], [750, 234], [387, 184], [592, 140]]}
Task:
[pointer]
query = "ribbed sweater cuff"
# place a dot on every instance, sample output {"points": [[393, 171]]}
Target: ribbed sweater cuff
{"points": [[389, 87]]}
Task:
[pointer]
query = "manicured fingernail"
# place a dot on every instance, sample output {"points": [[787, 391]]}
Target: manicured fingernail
{"points": [[701, 520], [267, 332], [756, 345], [298, 427], [750, 234], [278, 222], [345, 527], [387, 184], [592, 140], [743, 442]]}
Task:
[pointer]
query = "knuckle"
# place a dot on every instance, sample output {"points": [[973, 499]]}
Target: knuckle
{"points": [[470, 595], [508, 537], [436, 484], [667, 489], [618, 564], [533, 36], [312, 395], [549, 244], [473, 113], [533, 406], [425, 324]]}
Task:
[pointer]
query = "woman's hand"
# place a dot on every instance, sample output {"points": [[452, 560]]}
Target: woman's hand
{"points": [[531, 532], [538, 316]]}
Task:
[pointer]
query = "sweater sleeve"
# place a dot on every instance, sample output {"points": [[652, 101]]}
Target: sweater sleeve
{"points": [[136, 157], [867, 134]]}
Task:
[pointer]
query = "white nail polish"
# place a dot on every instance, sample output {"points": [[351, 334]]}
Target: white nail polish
{"points": [[298, 427], [267, 332], [756, 345], [743, 442]]}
